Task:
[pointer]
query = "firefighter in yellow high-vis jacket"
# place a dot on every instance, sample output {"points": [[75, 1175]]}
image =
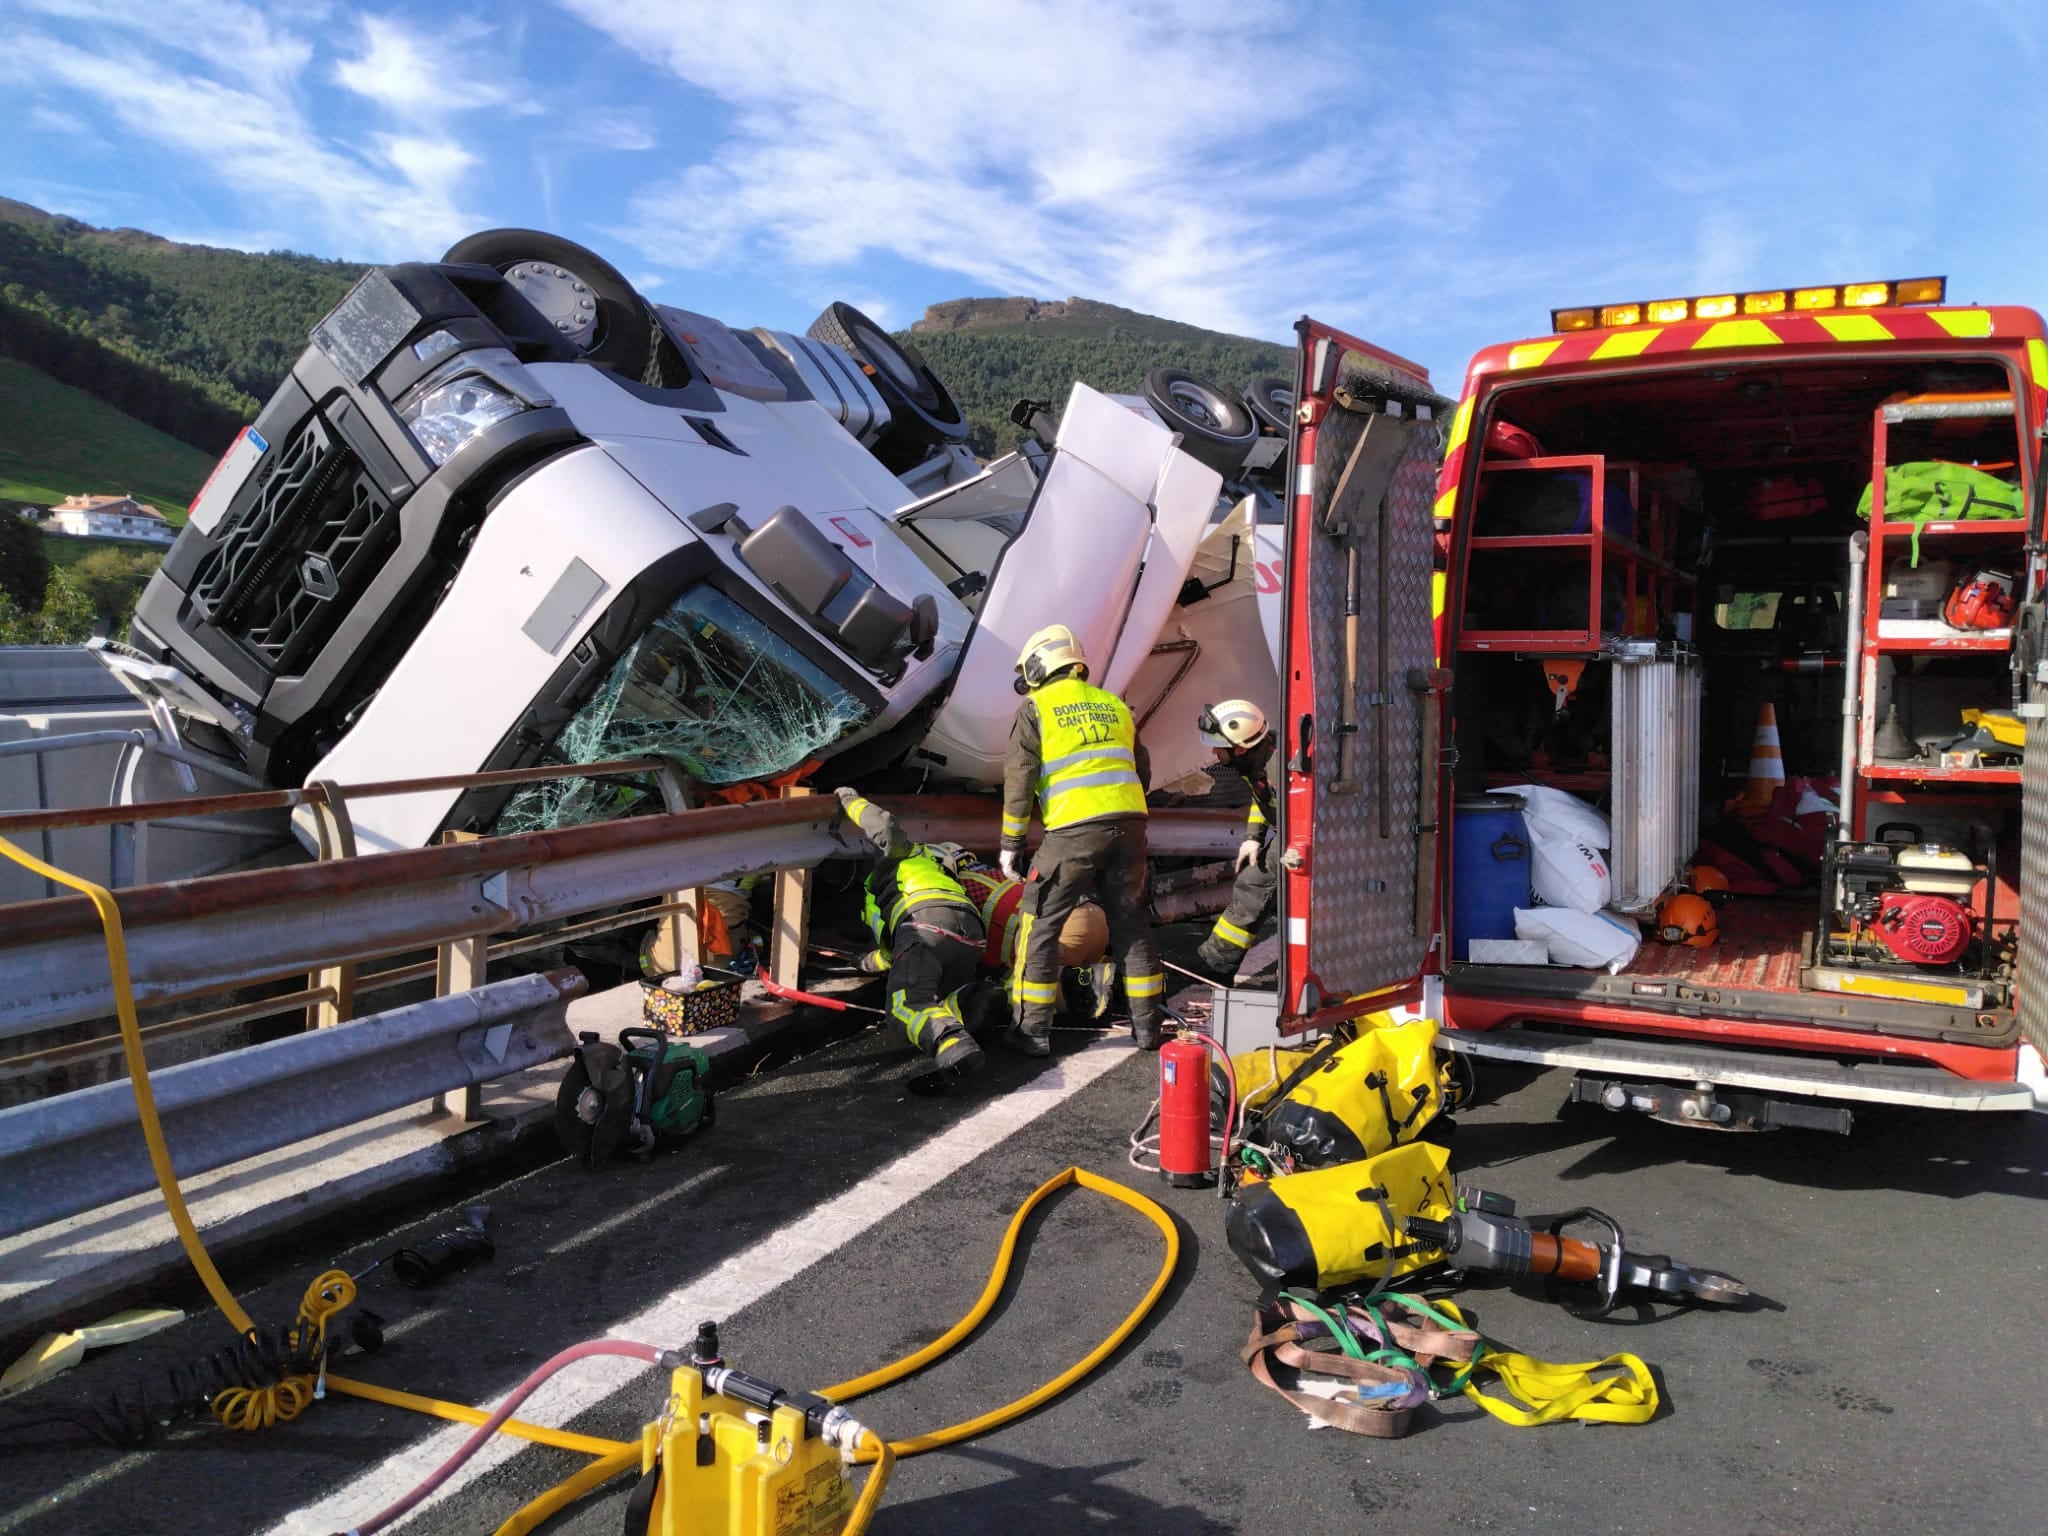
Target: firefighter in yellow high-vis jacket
{"points": [[1074, 751], [928, 938]]}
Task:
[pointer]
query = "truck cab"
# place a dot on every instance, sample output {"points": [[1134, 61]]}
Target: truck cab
{"points": [[1745, 583], [505, 513]]}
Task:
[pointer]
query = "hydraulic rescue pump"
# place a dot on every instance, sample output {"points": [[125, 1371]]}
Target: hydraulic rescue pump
{"points": [[732, 1455]]}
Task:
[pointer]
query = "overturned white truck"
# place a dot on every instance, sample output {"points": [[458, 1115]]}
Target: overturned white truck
{"points": [[506, 512]]}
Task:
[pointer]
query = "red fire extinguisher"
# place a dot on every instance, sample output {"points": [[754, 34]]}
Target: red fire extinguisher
{"points": [[1184, 1112]]}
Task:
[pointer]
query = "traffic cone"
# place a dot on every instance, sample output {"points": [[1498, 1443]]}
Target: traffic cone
{"points": [[1766, 762]]}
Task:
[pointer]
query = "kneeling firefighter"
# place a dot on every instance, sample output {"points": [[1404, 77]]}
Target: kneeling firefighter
{"points": [[1236, 732], [1075, 750], [929, 940], [1084, 936]]}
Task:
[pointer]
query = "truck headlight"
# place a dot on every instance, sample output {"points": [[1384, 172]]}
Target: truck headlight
{"points": [[446, 414]]}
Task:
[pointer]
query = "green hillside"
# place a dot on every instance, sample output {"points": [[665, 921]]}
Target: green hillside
{"points": [[231, 322], [191, 340], [56, 441], [992, 352]]}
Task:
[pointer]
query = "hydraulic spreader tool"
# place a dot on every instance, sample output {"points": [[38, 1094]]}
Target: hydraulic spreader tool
{"points": [[1484, 1234]]}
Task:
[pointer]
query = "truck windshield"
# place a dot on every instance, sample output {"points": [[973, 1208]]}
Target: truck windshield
{"points": [[709, 686]]}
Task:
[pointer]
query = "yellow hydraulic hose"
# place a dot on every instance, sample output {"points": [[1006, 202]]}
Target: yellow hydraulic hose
{"points": [[611, 1458], [328, 1294], [846, 1391]]}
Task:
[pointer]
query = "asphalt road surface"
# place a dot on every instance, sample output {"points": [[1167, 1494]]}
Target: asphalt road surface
{"points": [[1894, 1381]]}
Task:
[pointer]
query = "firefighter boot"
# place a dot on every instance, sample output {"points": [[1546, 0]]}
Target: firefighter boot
{"points": [[1021, 1038], [956, 1058]]}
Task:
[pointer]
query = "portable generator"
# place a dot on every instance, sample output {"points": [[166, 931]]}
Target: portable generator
{"points": [[1902, 901]]}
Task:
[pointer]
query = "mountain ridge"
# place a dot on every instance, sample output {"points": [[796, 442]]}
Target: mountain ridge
{"points": [[190, 339]]}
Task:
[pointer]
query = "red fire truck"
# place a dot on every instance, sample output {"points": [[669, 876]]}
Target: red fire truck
{"points": [[1756, 580]]}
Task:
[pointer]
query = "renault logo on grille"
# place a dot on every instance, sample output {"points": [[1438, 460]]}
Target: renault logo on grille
{"points": [[317, 576]]}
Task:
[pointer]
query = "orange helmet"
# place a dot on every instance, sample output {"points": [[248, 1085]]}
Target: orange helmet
{"points": [[1706, 881], [1686, 919]]}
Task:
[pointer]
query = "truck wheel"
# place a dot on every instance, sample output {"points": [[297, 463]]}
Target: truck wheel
{"points": [[1270, 398], [581, 293], [1214, 429], [922, 413]]}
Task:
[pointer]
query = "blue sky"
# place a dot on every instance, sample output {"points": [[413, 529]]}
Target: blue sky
{"points": [[1433, 181]]}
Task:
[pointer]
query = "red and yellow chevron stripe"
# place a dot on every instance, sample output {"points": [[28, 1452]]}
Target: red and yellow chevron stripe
{"points": [[1852, 327]]}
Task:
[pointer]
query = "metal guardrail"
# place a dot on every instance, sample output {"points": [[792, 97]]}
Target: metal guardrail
{"points": [[79, 1151], [187, 939]]}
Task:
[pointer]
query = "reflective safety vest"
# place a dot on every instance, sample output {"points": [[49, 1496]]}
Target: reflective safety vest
{"points": [[896, 889], [996, 898], [1087, 754]]}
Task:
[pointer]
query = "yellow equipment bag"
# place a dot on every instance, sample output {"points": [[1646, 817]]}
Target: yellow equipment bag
{"points": [[1339, 1225], [1380, 1090]]}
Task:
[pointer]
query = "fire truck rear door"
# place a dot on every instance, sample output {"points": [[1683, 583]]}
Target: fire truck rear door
{"points": [[1358, 671]]}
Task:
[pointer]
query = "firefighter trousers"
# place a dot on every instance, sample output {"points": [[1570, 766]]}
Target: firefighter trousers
{"points": [[1251, 898], [1105, 860], [934, 956]]}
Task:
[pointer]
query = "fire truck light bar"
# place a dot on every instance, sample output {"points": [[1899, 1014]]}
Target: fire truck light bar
{"points": [[1768, 301]]}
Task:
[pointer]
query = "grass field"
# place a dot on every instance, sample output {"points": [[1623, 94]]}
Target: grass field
{"points": [[56, 441]]}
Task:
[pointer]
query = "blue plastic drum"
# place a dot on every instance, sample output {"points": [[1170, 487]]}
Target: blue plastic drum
{"points": [[1491, 870]]}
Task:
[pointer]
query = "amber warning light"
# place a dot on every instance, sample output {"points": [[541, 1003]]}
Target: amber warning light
{"points": [[1765, 301]]}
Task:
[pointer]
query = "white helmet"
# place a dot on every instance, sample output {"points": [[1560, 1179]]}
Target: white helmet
{"points": [[1053, 649], [1233, 725], [951, 857]]}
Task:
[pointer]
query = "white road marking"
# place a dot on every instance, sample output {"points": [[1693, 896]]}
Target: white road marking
{"points": [[16, 1518], [739, 1282]]}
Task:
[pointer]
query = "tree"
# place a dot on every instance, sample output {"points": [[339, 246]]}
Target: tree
{"points": [[64, 618], [110, 580], [24, 563]]}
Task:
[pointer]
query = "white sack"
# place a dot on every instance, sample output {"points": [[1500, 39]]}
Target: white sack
{"points": [[1590, 940], [1568, 873], [1547, 809]]}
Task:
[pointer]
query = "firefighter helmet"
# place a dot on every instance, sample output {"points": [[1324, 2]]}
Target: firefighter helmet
{"points": [[950, 857], [1233, 725], [1084, 936], [1048, 653], [1686, 919], [1982, 601], [1705, 881]]}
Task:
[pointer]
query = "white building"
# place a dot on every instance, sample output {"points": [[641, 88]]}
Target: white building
{"points": [[110, 517]]}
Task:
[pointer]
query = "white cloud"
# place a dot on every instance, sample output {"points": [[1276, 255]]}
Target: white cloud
{"points": [[616, 128], [429, 77], [233, 92], [1052, 150], [46, 119], [261, 145]]}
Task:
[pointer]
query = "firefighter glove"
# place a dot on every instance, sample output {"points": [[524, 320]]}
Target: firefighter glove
{"points": [[1008, 860], [1247, 853]]}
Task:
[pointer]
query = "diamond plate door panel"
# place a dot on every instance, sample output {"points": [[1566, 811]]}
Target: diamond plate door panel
{"points": [[1363, 872]]}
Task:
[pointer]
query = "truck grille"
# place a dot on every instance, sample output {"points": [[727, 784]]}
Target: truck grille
{"points": [[316, 533]]}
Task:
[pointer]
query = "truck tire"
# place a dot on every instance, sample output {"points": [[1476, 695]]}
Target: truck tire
{"points": [[923, 414], [1270, 399], [1214, 429], [625, 334]]}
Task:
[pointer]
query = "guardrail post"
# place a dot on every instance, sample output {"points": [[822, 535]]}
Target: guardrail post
{"points": [[459, 966], [678, 940], [336, 836], [792, 915]]}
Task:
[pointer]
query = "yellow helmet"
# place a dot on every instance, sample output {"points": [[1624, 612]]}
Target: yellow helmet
{"points": [[1052, 650], [1235, 724]]}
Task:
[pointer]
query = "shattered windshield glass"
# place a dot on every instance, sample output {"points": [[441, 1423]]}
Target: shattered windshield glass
{"points": [[708, 686]]}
